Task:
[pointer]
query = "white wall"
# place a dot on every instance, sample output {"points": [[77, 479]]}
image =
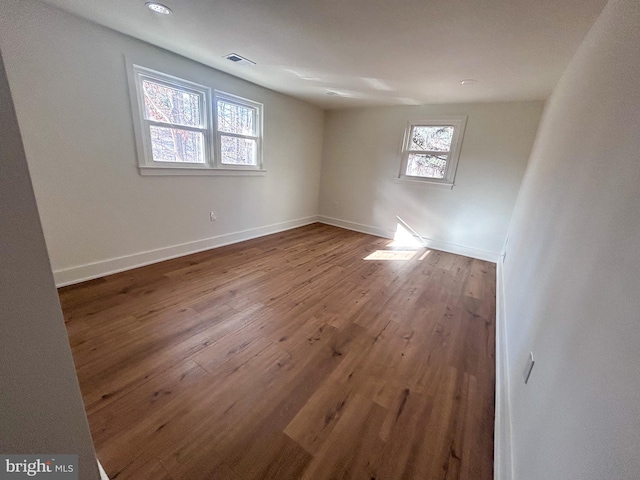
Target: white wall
{"points": [[361, 162], [41, 410], [70, 89], [572, 270], [99, 215]]}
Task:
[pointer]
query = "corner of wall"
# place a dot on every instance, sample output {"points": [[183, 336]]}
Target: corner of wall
{"points": [[463, 250], [502, 457]]}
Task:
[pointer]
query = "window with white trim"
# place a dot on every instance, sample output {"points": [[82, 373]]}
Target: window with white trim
{"points": [[431, 149], [238, 131], [182, 128]]}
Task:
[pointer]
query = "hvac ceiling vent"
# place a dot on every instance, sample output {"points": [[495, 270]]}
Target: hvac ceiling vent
{"points": [[238, 60]]}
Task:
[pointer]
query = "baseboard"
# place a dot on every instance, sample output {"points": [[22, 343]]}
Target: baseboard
{"points": [[429, 243], [103, 474], [356, 227], [90, 271], [502, 455]]}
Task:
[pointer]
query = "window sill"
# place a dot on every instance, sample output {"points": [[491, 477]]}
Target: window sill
{"points": [[196, 171], [426, 182]]}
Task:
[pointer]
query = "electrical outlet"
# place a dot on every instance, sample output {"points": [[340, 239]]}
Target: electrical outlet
{"points": [[527, 369], [212, 216]]}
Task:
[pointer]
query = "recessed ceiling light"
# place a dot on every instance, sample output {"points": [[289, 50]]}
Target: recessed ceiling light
{"points": [[158, 8], [468, 81]]}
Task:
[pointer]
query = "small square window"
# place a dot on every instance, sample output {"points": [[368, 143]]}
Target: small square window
{"points": [[427, 165], [431, 138], [235, 118], [173, 105], [238, 151], [173, 145], [431, 149]]}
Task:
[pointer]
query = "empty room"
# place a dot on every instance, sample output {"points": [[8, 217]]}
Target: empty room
{"points": [[248, 240]]}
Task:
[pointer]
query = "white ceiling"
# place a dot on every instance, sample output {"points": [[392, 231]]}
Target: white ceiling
{"points": [[374, 52]]}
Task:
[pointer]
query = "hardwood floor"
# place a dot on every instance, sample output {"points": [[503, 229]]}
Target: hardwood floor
{"points": [[290, 357]]}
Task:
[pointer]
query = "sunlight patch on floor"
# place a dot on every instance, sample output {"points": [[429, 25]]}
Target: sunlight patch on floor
{"points": [[424, 255], [391, 255]]}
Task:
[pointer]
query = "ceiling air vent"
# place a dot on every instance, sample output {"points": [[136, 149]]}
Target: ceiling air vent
{"points": [[238, 60]]}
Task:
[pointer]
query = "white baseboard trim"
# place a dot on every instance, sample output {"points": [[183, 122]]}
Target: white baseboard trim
{"points": [[502, 454], [356, 227], [462, 250], [429, 243], [103, 474], [90, 271]]}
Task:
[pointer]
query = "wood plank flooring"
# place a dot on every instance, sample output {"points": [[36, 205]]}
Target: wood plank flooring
{"points": [[290, 357]]}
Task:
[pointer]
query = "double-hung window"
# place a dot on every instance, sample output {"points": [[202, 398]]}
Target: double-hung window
{"points": [[431, 149], [175, 127], [238, 135], [184, 128]]}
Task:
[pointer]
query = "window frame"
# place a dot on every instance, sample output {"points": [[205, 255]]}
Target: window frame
{"points": [[143, 125], [458, 122], [213, 163], [243, 102]]}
